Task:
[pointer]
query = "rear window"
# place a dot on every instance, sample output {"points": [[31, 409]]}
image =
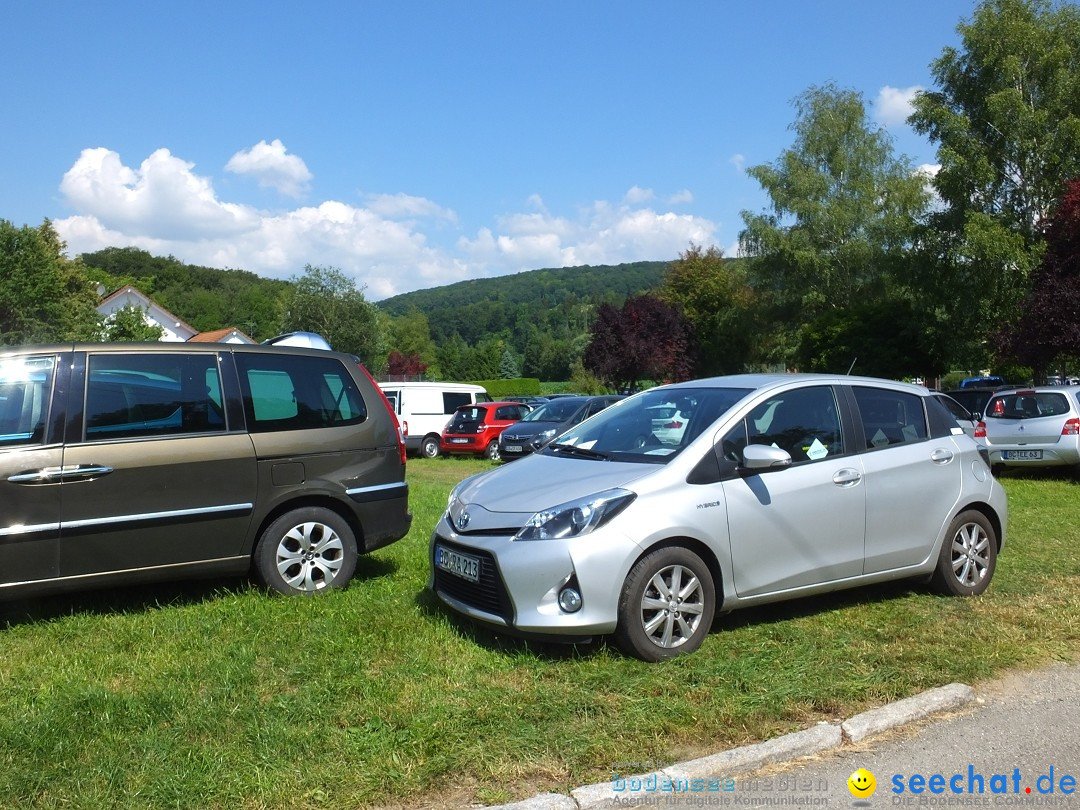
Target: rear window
{"points": [[890, 417], [283, 392], [1028, 405]]}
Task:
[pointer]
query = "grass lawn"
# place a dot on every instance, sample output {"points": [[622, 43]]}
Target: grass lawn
{"points": [[220, 696]]}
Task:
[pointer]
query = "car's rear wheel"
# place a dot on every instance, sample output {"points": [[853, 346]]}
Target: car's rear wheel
{"points": [[667, 605], [968, 556], [306, 551], [429, 447], [492, 450]]}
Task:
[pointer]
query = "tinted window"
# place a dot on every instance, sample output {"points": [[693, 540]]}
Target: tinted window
{"points": [[452, 401], [1028, 405], [25, 388], [890, 417], [298, 393], [803, 421], [133, 395], [510, 412]]}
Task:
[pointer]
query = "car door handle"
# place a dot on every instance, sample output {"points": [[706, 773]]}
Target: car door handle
{"points": [[941, 456], [56, 475], [846, 477]]}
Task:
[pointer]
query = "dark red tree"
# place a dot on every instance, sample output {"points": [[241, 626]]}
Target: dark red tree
{"points": [[646, 339], [1049, 324], [404, 365]]}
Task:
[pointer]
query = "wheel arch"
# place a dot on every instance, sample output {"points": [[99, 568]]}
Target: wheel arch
{"points": [[324, 502], [700, 549], [991, 515]]}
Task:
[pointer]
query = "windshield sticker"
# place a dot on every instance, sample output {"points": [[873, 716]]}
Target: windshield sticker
{"points": [[816, 450], [910, 433], [879, 439]]}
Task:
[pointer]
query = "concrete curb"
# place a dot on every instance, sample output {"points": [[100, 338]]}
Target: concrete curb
{"points": [[822, 737]]}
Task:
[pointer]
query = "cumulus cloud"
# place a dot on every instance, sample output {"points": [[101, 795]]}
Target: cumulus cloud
{"points": [[737, 160], [271, 166], [894, 104], [638, 195], [681, 197], [386, 245]]}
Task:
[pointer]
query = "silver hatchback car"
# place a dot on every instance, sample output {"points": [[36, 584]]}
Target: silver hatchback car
{"points": [[778, 486], [1032, 427]]}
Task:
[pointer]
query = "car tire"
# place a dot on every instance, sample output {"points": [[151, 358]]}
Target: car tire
{"points": [[492, 451], [968, 556], [655, 624], [306, 551], [429, 447]]}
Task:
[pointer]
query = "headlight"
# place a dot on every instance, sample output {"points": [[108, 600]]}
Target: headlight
{"points": [[576, 518], [544, 436]]}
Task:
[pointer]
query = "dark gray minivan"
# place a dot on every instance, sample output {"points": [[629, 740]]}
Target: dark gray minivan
{"points": [[138, 462]]}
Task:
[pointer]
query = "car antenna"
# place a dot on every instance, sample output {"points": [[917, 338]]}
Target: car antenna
{"points": [[849, 368]]}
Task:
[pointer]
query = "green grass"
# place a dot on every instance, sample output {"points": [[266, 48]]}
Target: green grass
{"points": [[220, 696]]}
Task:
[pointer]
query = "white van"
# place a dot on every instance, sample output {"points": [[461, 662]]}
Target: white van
{"points": [[424, 408]]}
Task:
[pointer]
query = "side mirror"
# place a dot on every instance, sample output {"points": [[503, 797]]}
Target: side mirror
{"points": [[762, 457]]}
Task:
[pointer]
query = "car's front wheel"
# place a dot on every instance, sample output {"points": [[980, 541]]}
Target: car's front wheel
{"points": [[305, 551], [968, 556], [429, 448], [667, 605]]}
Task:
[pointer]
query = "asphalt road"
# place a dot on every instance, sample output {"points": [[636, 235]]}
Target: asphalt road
{"points": [[1019, 741]]}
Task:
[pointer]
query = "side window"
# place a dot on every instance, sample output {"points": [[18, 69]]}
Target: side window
{"points": [[25, 389], [145, 395], [451, 401], [284, 392], [803, 421], [890, 417], [392, 398]]}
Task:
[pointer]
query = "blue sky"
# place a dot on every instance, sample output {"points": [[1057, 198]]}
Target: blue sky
{"points": [[414, 144]]}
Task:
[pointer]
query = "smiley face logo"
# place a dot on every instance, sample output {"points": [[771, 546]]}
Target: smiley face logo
{"points": [[862, 784]]}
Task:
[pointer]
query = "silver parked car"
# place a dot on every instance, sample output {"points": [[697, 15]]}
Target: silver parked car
{"points": [[778, 486], [1032, 427]]}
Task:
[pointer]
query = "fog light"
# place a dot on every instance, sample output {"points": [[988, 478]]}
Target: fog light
{"points": [[569, 600]]}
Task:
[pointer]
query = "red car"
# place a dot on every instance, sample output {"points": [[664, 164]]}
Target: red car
{"points": [[475, 428]]}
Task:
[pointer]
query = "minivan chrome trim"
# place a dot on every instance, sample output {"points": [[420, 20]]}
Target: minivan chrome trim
{"points": [[207, 510], [18, 531], [379, 491]]}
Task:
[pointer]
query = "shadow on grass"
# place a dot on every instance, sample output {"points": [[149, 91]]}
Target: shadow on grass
{"points": [[143, 597], [762, 616]]}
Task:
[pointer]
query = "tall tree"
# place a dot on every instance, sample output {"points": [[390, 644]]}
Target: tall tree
{"points": [[843, 213], [1050, 324], [1006, 120], [130, 324], [44, 296], [326, 301], [714, 295], [646, 339]]}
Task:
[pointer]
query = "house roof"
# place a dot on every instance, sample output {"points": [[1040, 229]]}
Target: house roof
{"points": [[220, 336], [150, 305]]}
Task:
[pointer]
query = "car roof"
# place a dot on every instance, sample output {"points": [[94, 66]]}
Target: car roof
{"points": [[764, 381]]}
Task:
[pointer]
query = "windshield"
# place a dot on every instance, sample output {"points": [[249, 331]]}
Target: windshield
{"points": [[651, 427], [555, 410]]}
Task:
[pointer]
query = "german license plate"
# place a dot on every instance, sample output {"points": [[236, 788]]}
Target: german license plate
{"points": [[512, 448], [1022, 455], [459, 441], [460, 565]]}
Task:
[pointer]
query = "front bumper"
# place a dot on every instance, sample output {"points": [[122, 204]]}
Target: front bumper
{"points": [[519, 581]]}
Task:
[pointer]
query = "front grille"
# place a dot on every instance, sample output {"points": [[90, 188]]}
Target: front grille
{"points": [[488, 595]]}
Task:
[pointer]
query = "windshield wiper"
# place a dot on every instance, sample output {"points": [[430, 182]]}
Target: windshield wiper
{"points": [[583, 452]]}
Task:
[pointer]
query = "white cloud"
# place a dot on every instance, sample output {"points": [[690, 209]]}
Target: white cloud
{"points": [[681, 197], [164, 207], [638, 195], [737, 160], [893, 104], [271, 167]]}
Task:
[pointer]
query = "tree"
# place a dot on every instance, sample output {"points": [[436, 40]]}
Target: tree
{"points": [[410, 336], [44, 296], [129, 324], [326, 301], [1006, 119], [1050, 324], [508, 365], [403, 366], [646, 339], [716, 299], [843, 214]]}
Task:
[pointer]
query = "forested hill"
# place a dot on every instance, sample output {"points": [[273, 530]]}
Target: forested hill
{"points": [[480, 307]]}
